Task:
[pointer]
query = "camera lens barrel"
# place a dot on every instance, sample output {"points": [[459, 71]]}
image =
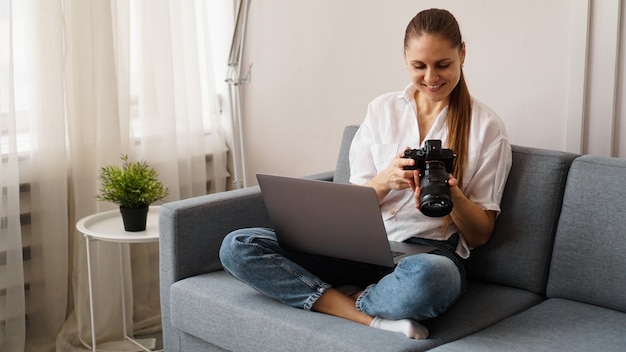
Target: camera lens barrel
{"points": [[435, 197], [434, 163]]}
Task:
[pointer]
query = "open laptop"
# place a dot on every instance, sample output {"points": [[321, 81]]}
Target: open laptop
{"points": [[331, 219]]}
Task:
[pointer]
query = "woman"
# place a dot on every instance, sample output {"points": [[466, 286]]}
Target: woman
{"points": [[436, 105]]}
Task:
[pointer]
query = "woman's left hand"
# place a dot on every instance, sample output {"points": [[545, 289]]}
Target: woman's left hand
{"points": [[474, 223]]}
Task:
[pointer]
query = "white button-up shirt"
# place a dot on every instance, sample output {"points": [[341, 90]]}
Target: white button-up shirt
{"points": [[391, 125]]}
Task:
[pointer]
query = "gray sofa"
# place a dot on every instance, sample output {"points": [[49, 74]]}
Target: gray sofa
{"points": [[552, 277]]}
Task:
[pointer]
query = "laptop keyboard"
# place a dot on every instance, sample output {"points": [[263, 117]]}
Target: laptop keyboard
{"points": [[396, 254]]}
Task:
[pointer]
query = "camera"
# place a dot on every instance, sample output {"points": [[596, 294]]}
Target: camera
{"points": [[434, 164]]}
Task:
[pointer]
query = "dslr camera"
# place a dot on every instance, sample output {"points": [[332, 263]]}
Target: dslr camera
{"points": [[434, 164]]}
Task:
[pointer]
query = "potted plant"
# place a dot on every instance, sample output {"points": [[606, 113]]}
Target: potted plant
{"points": [[133, 187]]}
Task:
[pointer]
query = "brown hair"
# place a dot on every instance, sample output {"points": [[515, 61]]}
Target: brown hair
{"points": [[442, 23]]}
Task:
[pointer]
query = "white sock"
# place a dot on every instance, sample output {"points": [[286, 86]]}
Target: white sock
{"points": [[408, 327]]}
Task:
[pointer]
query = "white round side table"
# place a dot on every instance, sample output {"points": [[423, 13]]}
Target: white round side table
{"points": [[108, 226]]}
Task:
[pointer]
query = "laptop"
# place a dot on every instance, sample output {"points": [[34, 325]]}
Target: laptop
{"points": [[331, 219]]}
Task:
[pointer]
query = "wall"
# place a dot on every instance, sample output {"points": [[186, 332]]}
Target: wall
{"points": [[318, 63]]}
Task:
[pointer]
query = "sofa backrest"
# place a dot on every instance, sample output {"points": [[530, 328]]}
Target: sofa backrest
{"points": [[590, 246], [518, 253], [519, 250], [342, 170]]}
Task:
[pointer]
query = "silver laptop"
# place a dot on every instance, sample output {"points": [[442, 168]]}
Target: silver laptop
{"points": [[331, 219]]}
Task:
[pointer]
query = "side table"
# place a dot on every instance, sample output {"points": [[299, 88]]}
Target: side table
{"points": [[108, 226]]}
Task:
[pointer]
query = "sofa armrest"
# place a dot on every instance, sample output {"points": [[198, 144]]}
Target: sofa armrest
{"points": [[191, 232]]}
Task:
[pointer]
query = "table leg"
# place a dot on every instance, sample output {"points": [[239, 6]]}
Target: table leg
{"points": [[128, 338], [123, 291], [91, 310]]}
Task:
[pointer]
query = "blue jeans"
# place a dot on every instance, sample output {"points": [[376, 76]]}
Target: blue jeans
{"points": [[421, 286]]}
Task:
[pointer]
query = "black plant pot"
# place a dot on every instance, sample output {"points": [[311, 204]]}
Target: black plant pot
{"points": [[134, 218]]}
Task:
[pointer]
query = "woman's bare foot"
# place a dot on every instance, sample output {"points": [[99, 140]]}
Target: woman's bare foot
{"points": [[335, 303]]}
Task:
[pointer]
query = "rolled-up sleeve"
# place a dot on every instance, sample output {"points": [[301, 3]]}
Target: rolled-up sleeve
{"points": [[492, 170]]}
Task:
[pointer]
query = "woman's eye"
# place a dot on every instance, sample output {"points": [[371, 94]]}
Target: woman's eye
{"points": [[439, 66]]}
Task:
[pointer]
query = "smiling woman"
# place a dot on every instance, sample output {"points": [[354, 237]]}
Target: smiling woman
{"points": [[420, 286]]}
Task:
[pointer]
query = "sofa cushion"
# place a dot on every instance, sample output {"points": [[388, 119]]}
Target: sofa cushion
{"points": [[194, 344], [518, 253], [589, 251], [217, 308], [483, 305], [553, 325]]}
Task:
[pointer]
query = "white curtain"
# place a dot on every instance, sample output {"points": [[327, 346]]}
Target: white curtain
{"points": [[82, 83]]}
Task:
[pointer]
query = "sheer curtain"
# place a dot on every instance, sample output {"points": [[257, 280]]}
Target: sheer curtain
{"points": [[83, 82], [35, 235]]}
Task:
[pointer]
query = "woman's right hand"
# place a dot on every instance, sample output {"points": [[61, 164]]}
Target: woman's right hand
{"points": [[395, 177]]}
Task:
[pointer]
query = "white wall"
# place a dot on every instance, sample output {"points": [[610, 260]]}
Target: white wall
{"points": [[317, 63]]}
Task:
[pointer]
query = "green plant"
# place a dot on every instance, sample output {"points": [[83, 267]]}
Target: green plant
{"points": [[134, 185]]}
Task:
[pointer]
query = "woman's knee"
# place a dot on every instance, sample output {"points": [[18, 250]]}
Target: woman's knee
{"points": [[436, 282], [421, 287], [231, 242], [239, 245], [430, 270]]}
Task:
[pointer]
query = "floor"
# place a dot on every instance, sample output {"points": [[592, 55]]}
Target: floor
{"points": [[157, 336]]}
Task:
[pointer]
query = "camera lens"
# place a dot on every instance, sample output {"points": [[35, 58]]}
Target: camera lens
{"points": [[435, 198]]}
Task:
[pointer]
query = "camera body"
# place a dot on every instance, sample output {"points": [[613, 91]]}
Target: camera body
{"points": [[434, 163]]}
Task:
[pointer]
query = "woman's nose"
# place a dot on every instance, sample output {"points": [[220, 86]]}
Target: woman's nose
{"points": [[431, 76]]}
